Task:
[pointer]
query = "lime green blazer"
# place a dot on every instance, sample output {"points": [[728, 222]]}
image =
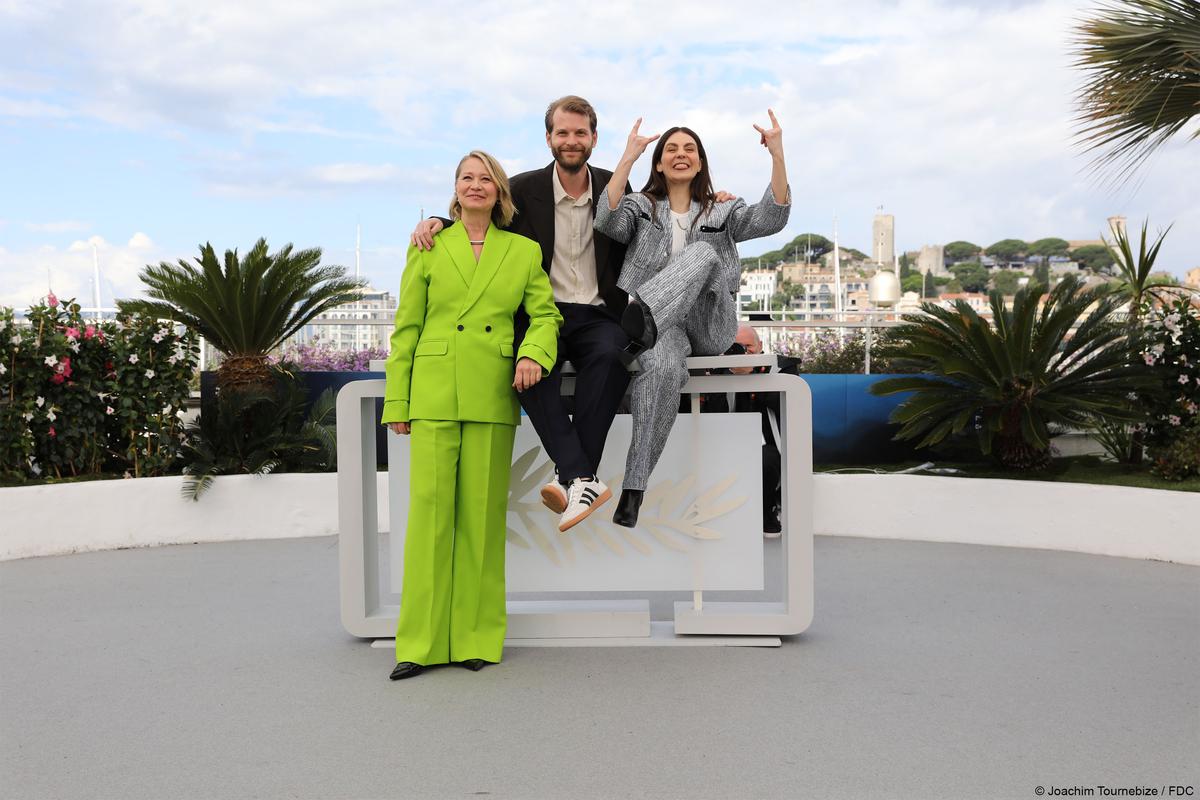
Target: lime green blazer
{"points": [[452, 349]]}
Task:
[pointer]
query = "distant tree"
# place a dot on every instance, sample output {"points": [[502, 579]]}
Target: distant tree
{"points": [[973, 277], [954, 286], [1094, 257], [1049, 247], [962, 251], [1006, 281], [940, 280], [912, 283], [905, 267], [1008, 249], [1041, 274]]}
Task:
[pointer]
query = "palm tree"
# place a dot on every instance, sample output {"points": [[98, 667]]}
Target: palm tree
{"points": [[1008, 381], [1135, 270], [248, 307], [1142, 60]]}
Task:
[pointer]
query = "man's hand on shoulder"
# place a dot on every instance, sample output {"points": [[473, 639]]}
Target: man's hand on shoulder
{"points": [[422, 235], [724, 196]]}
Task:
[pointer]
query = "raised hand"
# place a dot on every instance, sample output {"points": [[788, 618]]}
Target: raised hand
{"points": [[636, 144], [771, 138]]}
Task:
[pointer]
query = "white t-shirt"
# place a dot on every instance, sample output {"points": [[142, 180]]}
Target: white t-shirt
{"points": [[680, 225]]}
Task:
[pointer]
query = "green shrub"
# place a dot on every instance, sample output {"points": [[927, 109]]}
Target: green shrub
{"points": [[81, 396]]}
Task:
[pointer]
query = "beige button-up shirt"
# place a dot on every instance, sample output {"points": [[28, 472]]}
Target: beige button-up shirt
{"points": [[573, 263]]}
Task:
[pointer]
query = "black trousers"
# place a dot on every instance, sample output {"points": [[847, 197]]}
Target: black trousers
{"points": [[592, 340]]}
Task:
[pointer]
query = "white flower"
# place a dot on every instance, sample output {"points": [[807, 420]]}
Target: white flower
{"points": [[166, 410], [27, 416], [133, 358], [172, 359], [156, 338], [50, 415], [109, 410], [3, 369], [75, 346], [164, 333], [1174, 420], [1158, 349], [34, 468], [16, 339], [1183, 379], [41, 401], [51, 361], [149, 373]]}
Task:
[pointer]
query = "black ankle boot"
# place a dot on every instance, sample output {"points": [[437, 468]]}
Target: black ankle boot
{"points": [[628, 507], [638, 324]]}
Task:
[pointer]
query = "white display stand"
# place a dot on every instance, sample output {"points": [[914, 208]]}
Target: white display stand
{"points": [[699, 529]]}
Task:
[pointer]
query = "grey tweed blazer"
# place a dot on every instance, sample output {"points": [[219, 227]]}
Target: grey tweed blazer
{"points": [[645, 226]]}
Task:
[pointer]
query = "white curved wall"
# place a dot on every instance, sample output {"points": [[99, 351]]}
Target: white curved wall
{"points": [[1105, 520]]}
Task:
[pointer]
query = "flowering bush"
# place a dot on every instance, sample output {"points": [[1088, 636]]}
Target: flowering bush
{"points": [[319, 357], [80, 396], [827, 351], [1172, 350]]}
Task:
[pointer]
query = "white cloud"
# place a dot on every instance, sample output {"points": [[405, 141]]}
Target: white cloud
{"points": [[956, 117], [27, 274], [348, 174]]}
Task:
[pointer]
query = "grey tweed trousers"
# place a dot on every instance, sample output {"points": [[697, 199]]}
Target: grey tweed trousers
{"points": [[694, 314]]}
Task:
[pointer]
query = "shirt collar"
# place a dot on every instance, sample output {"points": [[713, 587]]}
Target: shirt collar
{"points": [[560, 193]]}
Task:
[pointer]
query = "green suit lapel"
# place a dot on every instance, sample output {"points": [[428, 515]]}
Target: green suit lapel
{"points": [[458, 245], [495, 246]]}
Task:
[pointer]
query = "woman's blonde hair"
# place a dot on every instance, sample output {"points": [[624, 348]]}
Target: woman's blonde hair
{"points": [[504, 210]]}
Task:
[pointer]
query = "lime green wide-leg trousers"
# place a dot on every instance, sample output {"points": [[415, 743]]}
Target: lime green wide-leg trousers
{"points": [[452, 605]]}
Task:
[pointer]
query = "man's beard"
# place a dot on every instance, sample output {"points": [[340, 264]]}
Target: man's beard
{"points": [[557, 152]]}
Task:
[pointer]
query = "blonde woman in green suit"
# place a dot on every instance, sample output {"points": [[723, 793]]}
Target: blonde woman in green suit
{"points": [[450, 385]]}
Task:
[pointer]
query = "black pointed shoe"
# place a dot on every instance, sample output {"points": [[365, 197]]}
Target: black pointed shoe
{"points": [[628, 507], [638, 324], [474, 664], [406, 669]]}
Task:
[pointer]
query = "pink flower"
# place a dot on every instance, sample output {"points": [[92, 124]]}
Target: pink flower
{"points": [[1183, 379], [64, 367], [1148, 358], [51, 432], [72, 333], [51, 300], [57, 378], [1174, 420], [89, 331]]}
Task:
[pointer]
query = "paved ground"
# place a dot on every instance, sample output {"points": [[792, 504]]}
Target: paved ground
{"points": [[931, 670]]}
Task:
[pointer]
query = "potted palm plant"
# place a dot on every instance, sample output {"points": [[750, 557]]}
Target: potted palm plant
{"points": [[1065, 363], [260, 420]]}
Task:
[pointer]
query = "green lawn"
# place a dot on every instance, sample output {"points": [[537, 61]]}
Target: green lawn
{"points": [[1070, 469]]}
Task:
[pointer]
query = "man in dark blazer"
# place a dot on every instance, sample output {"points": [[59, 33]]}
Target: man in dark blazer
{"points": [[556, 206]]}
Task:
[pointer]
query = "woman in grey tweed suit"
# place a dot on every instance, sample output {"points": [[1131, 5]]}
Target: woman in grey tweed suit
{"points": [[682, 272]]}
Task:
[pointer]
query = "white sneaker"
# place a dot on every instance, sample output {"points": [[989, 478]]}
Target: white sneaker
{"points": [[584, 496], [554, 495]]}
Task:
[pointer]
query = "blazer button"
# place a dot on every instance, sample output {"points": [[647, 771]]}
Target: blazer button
{"points": [[460, 327], [488, 329]]}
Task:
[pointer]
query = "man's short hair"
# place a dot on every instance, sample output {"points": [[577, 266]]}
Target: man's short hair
{"points": [[573, 103]]}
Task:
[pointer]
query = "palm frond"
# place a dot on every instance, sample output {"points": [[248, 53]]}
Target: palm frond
{"points": [[1141, 60]]}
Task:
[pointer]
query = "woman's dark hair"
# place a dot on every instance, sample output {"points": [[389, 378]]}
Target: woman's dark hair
{"points": [[702, 188]]}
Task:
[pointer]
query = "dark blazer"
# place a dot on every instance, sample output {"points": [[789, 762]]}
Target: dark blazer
{"points": [[533, 194]]}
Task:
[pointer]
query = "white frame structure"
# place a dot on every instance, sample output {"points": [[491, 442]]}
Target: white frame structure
{"points": [[594, 620]]}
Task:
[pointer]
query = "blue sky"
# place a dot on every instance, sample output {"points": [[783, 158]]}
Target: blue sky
{"points": [[148, 127]]}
